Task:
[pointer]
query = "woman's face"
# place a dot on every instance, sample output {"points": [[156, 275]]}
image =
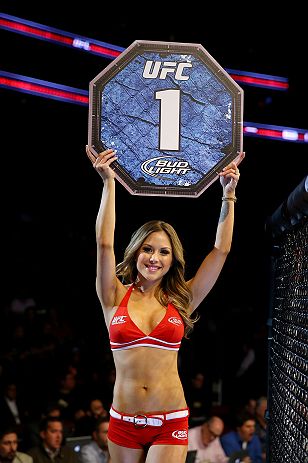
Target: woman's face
{"points": [[154, 257]]}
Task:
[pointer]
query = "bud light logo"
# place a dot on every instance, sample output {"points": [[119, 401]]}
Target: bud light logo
{"points": [[181, 435], [163, 166]]}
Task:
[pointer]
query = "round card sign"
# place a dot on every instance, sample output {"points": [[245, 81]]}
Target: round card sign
{"points": [[173, 114]]}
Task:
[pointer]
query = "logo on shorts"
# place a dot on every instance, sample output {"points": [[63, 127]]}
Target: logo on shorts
{"points": [[175, 321], [182, 435]]}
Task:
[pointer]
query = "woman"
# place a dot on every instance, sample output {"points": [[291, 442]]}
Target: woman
{"points": [[147, 319]]}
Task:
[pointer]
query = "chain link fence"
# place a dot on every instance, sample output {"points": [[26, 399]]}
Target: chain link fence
{"points": [[287, 415]]}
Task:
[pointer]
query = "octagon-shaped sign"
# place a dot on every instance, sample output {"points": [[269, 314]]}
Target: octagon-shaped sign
{"points": [[173, 114]]}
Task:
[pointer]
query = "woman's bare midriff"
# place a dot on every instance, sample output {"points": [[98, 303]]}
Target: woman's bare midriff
{"points": [[147, 381]]}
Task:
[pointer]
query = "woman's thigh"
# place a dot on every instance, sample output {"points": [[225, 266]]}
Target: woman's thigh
{"points": [[167, 454], [121, 454]]}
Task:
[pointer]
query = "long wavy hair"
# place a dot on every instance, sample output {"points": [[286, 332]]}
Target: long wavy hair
{"points": [[173, 287]]}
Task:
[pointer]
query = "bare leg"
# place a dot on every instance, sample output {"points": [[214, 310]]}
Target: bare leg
{"points": [[166, 454], [121, 454]]}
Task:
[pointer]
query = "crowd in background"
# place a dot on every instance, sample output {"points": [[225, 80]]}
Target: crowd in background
{"points": [[47, 368]]}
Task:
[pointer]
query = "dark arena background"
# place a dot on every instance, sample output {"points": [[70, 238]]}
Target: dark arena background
{"points": [[50, 318]]}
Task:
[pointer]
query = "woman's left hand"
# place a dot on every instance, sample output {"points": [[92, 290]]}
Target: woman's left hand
{"points": [[230, 175]]}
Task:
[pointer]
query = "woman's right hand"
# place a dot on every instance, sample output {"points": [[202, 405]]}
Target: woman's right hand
{"points": [[102, 162]]}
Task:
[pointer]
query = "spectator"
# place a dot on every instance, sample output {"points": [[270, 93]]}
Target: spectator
{"points": [[243, 439], [21, 301], [250, 406], [9, 446], [97, 450], [32, 428], [51, 448], [205, 439], [84, 423], [261, 423], [68, 396], [198, 398], [12, 413]]}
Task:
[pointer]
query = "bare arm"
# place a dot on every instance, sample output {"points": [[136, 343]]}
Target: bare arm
{"points": [[106, 280], [212, 265]]}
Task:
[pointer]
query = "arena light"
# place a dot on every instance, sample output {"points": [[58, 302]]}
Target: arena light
{"points": [[50, 34], [68, 94], [43, 88], [259, 80], [60, 37], [275, 132]]}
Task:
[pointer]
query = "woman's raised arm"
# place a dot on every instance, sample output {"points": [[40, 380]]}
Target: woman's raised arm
{"points": [[213, 263], [106, 280]]}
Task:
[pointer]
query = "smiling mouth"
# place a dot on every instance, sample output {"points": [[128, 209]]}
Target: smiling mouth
{"points": [[152, 268]]}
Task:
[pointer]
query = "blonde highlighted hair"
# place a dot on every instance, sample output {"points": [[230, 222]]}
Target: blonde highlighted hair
{"points": [[173, 287]]}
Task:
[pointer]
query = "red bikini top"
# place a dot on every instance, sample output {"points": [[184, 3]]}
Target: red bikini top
{"points": [[125, 334]]}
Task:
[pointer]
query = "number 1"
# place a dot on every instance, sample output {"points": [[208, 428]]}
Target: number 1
{"points": [[169, 121]]}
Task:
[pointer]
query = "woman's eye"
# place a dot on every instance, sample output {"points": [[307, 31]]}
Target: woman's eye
{"points": [[147, 249], [165, 252]]}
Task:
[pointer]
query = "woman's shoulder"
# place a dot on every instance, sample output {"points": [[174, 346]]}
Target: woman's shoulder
{"points": [[122, 291]]}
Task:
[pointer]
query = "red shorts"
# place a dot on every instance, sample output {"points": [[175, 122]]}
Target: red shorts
{"points": [[141, 431]]}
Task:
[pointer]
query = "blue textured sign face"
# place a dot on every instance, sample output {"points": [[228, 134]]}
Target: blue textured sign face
{"points": [[173, 115]]}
